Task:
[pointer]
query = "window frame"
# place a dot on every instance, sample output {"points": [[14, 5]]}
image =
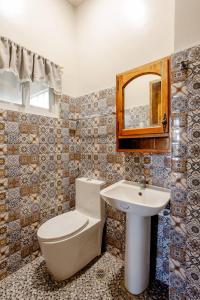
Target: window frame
{"points": [[25, 106]]}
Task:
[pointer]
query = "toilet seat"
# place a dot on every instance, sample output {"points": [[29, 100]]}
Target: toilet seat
{"points": [[62, 226]]}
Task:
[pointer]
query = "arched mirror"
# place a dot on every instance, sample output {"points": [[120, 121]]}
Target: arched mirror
{"points": [[143, 100]]}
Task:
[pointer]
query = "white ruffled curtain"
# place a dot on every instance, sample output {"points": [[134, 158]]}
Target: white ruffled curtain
{"points": [[29, 66]]}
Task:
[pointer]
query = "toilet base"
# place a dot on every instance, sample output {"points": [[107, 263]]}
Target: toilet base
{"points": [[67, 257]]}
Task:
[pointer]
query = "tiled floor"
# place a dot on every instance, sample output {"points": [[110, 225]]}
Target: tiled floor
{"points": [[101, 280]]}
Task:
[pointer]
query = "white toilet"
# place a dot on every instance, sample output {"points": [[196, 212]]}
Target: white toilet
{"points": [[71, 240]]}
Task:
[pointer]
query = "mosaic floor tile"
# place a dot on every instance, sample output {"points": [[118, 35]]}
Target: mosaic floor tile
{"points": [[101, 280]]}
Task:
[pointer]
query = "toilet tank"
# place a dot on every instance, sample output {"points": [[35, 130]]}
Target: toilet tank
{"points": [[88, 199]]}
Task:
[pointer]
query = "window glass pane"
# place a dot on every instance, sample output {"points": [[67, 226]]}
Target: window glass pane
{"points": [[10, 88], [39, 95]]}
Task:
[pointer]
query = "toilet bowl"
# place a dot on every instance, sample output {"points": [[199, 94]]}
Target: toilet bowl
{"points": [[70, 241]]}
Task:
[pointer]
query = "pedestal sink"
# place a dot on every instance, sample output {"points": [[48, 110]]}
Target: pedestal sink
{"points": [[139, 205]]}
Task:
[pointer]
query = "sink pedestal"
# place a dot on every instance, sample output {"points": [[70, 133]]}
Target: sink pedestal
{"points": [[139, 205], [137, 253]]}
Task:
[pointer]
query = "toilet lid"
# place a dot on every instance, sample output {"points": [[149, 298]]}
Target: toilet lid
{"points": [[62, 226]]}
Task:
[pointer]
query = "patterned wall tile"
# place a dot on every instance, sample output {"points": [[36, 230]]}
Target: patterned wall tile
{"points": [[185, 227], [33, 179]]}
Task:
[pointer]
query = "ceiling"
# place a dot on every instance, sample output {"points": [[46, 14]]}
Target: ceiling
{"points": [[75, 2]]}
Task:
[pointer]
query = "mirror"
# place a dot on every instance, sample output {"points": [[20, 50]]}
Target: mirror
{"points": [[142, 102]]}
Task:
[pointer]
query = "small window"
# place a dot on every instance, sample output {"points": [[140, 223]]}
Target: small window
{"points": [[39, 95], [31, 97], [10, 88]]}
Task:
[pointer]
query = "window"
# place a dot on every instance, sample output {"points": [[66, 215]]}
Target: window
{"points": [[10, 88], [33, 97], [40, 95]]}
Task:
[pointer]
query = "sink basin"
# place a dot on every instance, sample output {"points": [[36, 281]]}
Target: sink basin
{"points": [[139, 205], [129, 197]]}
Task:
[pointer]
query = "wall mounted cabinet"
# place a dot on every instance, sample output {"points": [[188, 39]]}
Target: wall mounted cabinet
{"points": [[142, 102]]}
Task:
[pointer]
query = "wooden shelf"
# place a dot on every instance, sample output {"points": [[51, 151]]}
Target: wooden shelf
{"points": [[144, 145]]}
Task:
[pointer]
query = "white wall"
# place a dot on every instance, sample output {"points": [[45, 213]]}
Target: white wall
{"points": [[46, 27], [95, 42], [187, 24], [117, 35]]}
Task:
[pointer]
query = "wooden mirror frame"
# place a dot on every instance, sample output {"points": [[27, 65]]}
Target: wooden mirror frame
{"points": [[159, 67]]}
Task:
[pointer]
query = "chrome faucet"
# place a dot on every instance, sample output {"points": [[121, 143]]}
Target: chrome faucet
{"points": [[143, 182]]}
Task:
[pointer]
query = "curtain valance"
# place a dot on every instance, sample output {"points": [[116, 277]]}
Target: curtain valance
{"points": [[29, 66]]}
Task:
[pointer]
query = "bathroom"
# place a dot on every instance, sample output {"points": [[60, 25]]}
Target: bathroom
{"points": [[65, 146]]}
